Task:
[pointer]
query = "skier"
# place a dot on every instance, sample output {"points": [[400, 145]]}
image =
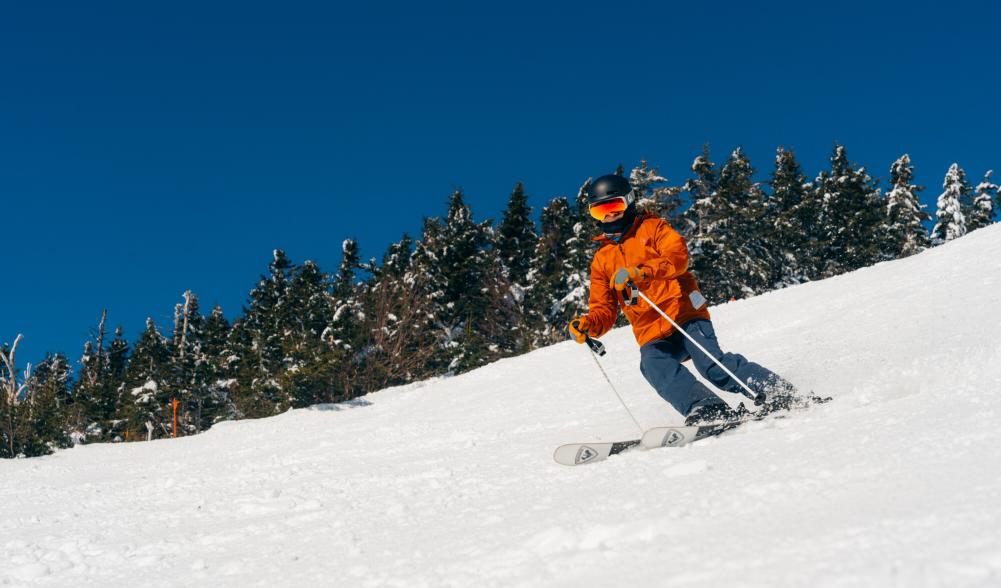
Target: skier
{"points": [[643, 250]]}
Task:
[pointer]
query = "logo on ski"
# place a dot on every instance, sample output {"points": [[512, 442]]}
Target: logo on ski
{"points": [[673, 438], [585, 455]]}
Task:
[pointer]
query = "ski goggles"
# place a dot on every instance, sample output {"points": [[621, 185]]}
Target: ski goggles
{"points": [[600, 210]]}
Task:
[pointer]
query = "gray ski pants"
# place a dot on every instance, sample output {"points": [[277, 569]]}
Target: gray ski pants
{"points": [[660, 363]]}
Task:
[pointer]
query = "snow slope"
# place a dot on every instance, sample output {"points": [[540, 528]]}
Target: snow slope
{"points": [[450, 482]]}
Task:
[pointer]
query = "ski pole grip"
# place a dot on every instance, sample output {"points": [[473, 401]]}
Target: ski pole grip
{"points": [[629, 297], [596, 346]]}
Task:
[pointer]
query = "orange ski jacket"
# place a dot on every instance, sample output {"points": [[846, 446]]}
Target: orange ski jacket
{"points": [[662, 254]]}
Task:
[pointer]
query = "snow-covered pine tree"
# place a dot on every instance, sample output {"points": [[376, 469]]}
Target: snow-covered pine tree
{"points": [[574, 291], [994, 188], [118, 362], [547, 276], [983, 210], [45, 395], [265, 322], [516, 237], [719, 214], [217, 405], [852, 220], [348, 337], [346, 322], [793, 212], [430, 328], [85, 412], [148, 372], [396, 260], [191, 371], [465, 259], [951, 220], [701, 189], [651, 193], [459, 242], [905, 215], [95, 395], [500, 331], [239, 363], [317, 348], [514, 244], [734, 224]]}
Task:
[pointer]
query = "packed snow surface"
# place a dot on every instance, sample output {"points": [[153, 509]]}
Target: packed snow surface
{"points": [[450, 482]]}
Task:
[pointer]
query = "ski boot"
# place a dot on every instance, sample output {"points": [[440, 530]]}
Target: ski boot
{"points": [[715, 413]]}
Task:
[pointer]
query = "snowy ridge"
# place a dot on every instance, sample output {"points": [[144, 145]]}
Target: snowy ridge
{"points": [[449, 482]]}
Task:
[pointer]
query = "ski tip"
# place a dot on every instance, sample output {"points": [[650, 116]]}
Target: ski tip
{"points": [[575, 454], [668, 436]]}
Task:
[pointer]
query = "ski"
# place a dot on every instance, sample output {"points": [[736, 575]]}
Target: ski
{"points": [[581, 453], [681, 436], [574, 454]]}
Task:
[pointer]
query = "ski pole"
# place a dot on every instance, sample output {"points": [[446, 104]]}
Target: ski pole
{"points": [[597, 348], [753, 395]]}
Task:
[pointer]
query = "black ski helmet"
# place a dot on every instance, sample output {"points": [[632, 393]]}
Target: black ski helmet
{"points": [[610, 186]]}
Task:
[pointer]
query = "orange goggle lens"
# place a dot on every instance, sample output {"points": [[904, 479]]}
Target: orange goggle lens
{"points": [[602, 209]]}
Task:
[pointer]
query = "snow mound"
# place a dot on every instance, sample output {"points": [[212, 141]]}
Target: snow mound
{"points": [[449, 482]]}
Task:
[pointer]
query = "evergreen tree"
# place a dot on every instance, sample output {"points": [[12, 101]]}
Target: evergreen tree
{"points": [[94, 395], [983, 211], [86, 410], [906, 234], [239, 363], [701, 190], [951, 220], [852, 218], [561, 268], [114, 403], [317, 348], [576, 284], [48, 387], [794, 213], [731, 253], [191, 370], [470, 305], [707, 234], [146, 376], [516, 238], [550, 273], [347, 330], [469, 276], [118, 356], [500, 332], [748, 256], [397, 259], [266, 321], [431, 328], [652, 195], [217, 405]]}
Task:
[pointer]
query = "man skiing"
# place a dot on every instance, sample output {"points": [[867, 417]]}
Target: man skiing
{"points": [[643, 250]]}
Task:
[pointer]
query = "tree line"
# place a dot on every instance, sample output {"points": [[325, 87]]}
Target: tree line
{"points": [[463, 294]]}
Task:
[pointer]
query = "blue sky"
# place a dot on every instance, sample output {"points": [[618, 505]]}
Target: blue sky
{"points": [[146, 149]]}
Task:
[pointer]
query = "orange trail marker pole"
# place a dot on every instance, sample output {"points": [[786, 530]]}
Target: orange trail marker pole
{"points": [[174, 402]]}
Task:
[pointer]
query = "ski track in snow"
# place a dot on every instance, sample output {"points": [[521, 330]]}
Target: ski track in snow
{"points": [[449, 482]]}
